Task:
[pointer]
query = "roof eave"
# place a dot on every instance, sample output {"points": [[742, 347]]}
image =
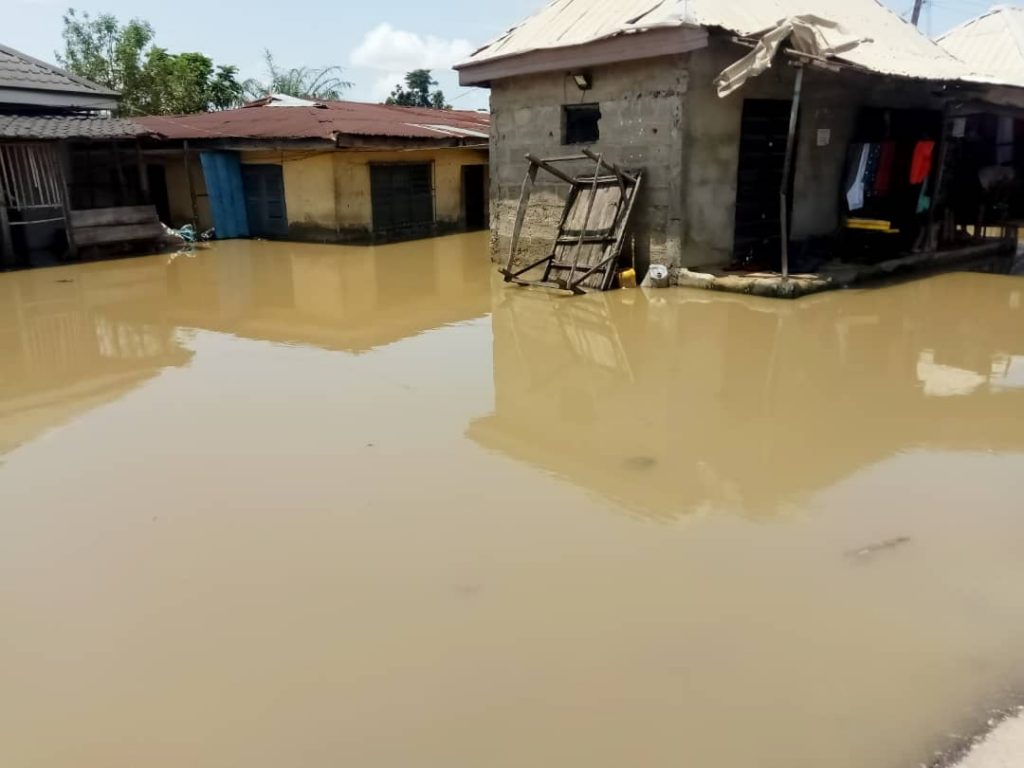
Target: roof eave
{"points": [[614, 49], [29, 97]]}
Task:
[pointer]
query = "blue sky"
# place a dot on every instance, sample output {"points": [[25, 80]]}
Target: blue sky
{"points": [[376, 42]]}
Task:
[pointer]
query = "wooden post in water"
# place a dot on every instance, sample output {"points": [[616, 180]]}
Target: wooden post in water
{"points": [[931, 240], [794, 115], [191, 189], [63, 168], [115, 152], [143, 176], [6, 241]]}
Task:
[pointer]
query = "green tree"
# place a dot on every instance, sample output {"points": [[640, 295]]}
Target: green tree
{"points": [[320, 83], [419, 91], [150, 79]]}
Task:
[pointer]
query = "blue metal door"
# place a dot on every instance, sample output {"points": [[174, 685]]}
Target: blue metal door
{"points": [[223, 174]]}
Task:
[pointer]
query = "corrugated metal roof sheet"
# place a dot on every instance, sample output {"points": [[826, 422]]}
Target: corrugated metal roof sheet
{"points": [[889, 45], [325, 121], [68, 127], [992, 43], [18, 70]]}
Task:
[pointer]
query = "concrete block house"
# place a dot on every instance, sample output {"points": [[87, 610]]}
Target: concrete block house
{"points": [[700, 95]]}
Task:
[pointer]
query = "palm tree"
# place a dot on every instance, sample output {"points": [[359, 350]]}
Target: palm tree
{"points": [[320, 83]]}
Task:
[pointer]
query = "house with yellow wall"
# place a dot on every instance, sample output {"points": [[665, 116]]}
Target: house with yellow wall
{"points": [[333, 171]]}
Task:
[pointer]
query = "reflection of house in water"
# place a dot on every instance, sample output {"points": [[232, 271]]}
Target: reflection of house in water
{"points": [[312, 294], [73, 339], [69, 344], [674, 403]]}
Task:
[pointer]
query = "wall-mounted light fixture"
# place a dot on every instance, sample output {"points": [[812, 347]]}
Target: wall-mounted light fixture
{"points": [[583, 81]]}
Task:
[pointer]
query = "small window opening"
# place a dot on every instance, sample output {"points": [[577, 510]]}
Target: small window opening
{"points": [[581, 123]]}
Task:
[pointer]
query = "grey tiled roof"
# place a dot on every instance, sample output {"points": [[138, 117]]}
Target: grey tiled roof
{"points": [[68, 127], [18, 70]]}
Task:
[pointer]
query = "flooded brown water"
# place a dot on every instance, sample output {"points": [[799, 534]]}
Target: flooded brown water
{"points": [[313, 506]]}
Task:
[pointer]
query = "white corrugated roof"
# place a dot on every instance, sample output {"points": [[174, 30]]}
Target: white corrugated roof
{"points": [[992, 44], [890, 45]]}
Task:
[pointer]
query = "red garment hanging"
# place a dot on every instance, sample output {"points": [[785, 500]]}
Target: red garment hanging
{"points": [[884, 178], [921, 165]]}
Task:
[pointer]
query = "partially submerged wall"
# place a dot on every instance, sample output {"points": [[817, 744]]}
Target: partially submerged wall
{"points": [[178, 197], [327, 194], [664, 115], [641, 128]]}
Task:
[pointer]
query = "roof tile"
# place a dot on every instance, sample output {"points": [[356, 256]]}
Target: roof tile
{"points": [[68, 127], [19, 70]]}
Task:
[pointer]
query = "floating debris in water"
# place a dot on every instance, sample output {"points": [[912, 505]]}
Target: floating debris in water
{"points": [[875, 549], [640, 462]]}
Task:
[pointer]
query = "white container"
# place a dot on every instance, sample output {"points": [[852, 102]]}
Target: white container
{"points": [[657, 276]]}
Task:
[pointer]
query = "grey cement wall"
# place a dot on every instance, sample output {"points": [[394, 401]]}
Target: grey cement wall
{"points": [[641, 127], [665, 116]]}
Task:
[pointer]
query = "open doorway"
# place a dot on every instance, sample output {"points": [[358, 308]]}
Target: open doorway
{"points": [[764, 130], [156, 176], [474, 196]]}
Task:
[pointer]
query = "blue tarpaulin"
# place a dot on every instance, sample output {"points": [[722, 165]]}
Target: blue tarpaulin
{"points": [[223, 174]]}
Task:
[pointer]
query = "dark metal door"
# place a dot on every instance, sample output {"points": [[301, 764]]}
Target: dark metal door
{"points": [[474, 196], [264, 200], [765, 127], [403, 200]]}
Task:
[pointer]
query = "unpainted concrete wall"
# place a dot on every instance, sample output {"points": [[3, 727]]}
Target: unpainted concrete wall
{"points": [[641, 127], [664, 115]]}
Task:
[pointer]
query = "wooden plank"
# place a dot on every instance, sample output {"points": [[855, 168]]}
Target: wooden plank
{"points": [[117, 234], [104, 217], [191, 186], [620, 174], [570, 239], [556, 172], [586, 221], [524, 199], [140, 165], [61, 163], [622, 228], [606, 204], [6, 241]]}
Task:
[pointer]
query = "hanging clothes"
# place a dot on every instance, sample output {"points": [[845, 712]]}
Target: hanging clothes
{"points": [[871, 169], [858, 164], [921, 164], [924, 200], [883, 179]]}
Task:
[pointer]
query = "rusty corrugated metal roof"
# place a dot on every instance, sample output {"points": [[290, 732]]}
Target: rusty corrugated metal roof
{"points": [[887, 44], [323, 120]]}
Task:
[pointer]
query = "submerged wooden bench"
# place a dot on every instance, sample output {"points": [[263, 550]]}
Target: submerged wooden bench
{"points": [[110, 226]]}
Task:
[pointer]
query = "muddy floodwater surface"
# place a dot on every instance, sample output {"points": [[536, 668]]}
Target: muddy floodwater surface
{"points": [[291, 505]]}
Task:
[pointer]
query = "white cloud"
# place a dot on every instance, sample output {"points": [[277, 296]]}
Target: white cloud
{"points": [[395, 50], [385, 84]]}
